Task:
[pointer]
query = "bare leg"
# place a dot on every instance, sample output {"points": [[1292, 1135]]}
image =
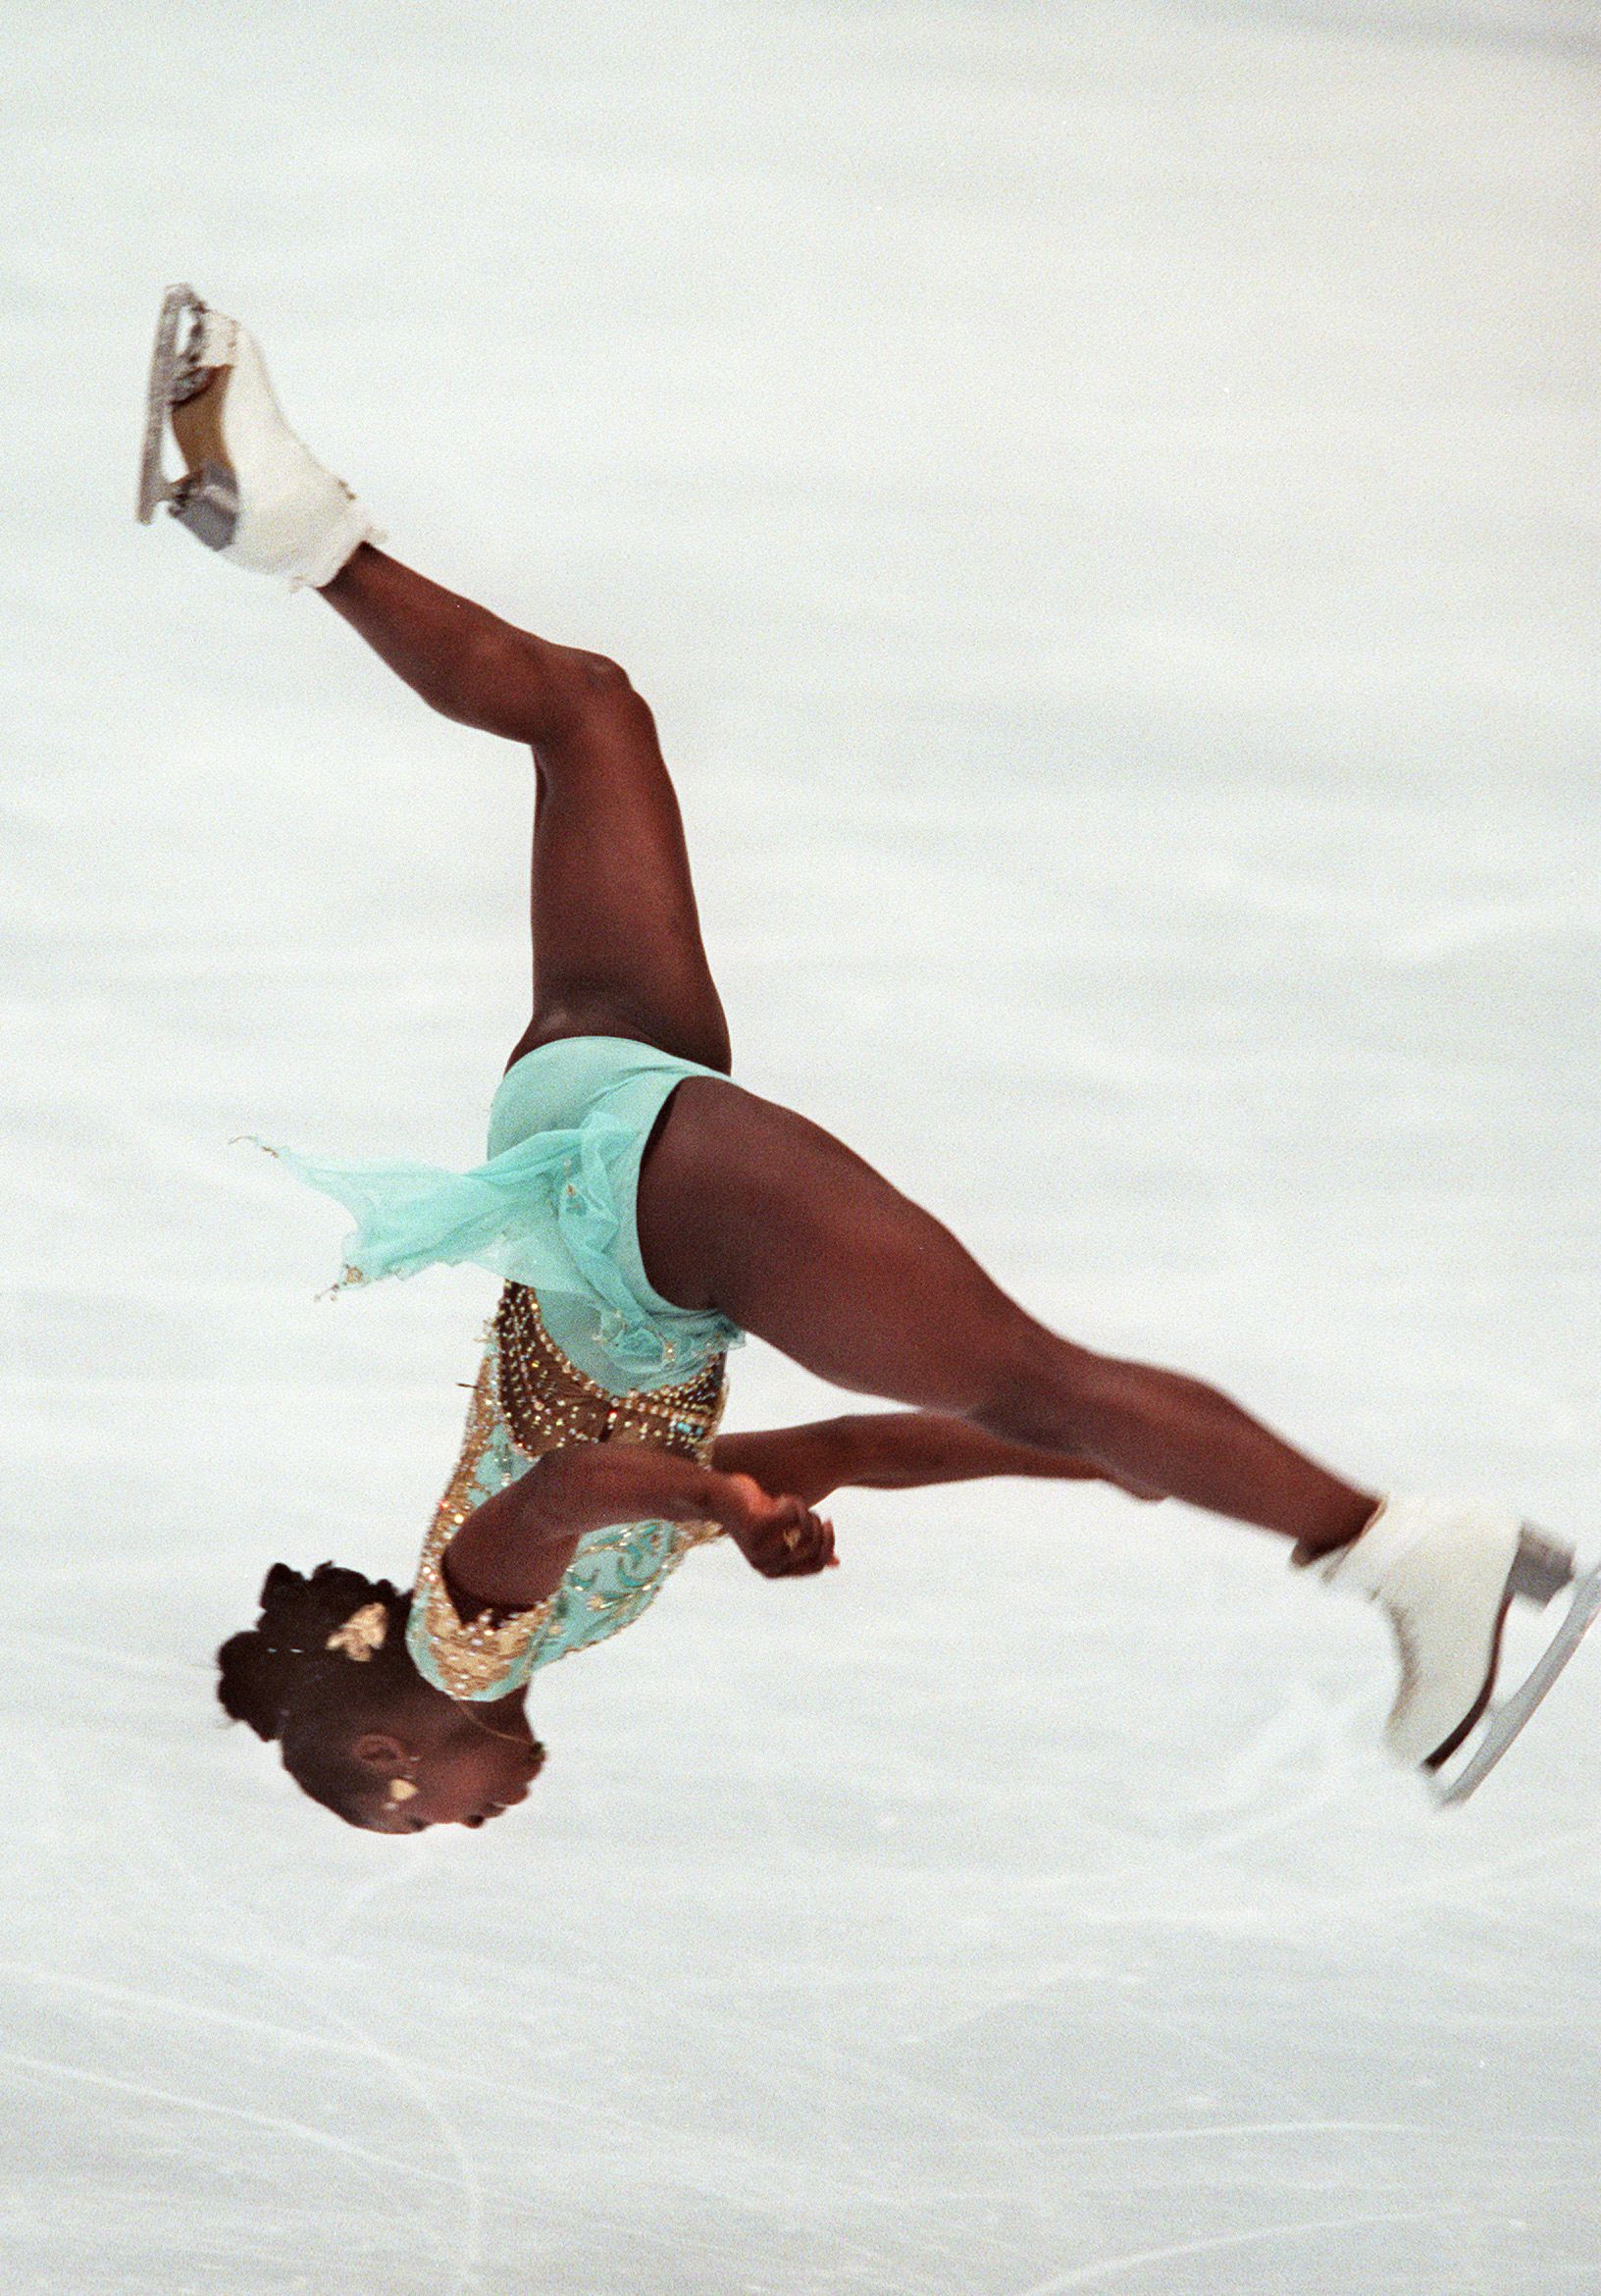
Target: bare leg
{"points": [[617, 948], [749, 1208], [465, 662]]}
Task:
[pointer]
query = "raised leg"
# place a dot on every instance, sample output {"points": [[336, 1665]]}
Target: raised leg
{"points": [[617, 948], [746, 1207]]}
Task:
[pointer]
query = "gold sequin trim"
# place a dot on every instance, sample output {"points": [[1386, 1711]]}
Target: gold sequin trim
{"points": [[545, 1402]]}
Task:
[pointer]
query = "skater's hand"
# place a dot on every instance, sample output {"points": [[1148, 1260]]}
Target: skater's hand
{"points": [[782, 1538]]}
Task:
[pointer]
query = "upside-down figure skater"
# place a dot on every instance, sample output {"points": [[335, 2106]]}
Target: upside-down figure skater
{"points": [[644, 1212]]}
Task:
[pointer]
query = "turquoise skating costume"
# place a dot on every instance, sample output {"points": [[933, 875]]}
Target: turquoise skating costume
{"points": [[580, 1349]]}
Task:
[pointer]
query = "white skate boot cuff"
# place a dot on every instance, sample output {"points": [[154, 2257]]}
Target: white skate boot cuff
{"points": [[1439, 1567], [295, 519], [339, 543], [1409, 1521]]}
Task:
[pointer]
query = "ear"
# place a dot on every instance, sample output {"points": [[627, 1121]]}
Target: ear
{"points": [[376, 1751]]}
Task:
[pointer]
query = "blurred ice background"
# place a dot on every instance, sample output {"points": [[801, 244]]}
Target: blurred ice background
{"points": [[1102, 498]]}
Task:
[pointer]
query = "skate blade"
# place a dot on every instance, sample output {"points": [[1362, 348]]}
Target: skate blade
{"points": [[155, 488], [1508, 1716]]}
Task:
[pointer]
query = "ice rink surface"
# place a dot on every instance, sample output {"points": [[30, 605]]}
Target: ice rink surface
{"points": [[1102, 500]]}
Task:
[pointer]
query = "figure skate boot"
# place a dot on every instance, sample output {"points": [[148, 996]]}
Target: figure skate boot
{"points": [[1446, 1572], [250, 489]]}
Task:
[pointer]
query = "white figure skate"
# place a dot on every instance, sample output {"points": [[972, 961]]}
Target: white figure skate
{"points": [[1447, 1571], [250, 489]]}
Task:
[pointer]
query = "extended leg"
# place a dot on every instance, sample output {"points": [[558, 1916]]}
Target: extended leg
{"points": [[617, 948], [749, 1208], [616, 938], [465, 662]]}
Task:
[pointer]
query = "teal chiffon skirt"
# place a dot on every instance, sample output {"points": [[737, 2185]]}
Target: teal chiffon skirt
{"points": [[552, 1206]]}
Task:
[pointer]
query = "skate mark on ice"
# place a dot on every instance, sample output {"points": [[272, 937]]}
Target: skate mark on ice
{"points": [[1441, 1888], [172, 2006], [412, 2079], [265, 1956], [1436, 27], [1108, 2267], [1251, 2128], [1173, 2032], [281, 2124], [410, 2076]]}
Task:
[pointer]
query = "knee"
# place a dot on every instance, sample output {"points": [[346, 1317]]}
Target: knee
{"points": [[598, 675], [594, 690], [597, 686]]}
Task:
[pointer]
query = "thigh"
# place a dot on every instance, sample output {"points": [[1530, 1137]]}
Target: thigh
{"points": [[617, 948], [746, 1207]]}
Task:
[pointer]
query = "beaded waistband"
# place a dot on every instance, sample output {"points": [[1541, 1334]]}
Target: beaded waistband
{"points": [[548, 1401]]}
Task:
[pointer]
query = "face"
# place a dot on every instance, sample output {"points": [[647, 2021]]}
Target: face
{"points": [[468, 1765]]}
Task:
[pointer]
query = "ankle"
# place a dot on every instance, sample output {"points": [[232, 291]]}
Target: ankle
{"points": [[1343, 1526]]}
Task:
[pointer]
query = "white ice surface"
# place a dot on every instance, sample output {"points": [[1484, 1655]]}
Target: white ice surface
{"points": [[1101, 499]]}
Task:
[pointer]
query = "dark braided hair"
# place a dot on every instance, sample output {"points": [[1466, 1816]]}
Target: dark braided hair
{"points": [[281, 1676]]}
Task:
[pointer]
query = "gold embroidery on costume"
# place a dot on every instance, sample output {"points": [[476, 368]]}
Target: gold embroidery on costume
{"points": [[530, 1395], [548, 1401]]}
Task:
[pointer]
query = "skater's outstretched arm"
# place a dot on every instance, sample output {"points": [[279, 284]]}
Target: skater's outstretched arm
{"points": [[514, 1550], [894, 1450]]}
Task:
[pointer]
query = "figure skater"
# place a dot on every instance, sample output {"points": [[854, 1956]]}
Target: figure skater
{"points": [[644, 1212]]}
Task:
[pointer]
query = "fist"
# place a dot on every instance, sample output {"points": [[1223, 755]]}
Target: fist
{"points": [[781, 1537]]}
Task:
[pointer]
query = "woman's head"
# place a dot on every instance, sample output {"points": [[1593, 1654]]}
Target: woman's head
{"points": [[326, 1672]]}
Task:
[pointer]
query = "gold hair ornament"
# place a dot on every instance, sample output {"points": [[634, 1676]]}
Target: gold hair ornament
{"points": [[363, 1632], [401, 1789]]}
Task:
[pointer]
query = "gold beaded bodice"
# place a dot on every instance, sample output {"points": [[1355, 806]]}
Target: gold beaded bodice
{"points": [[529, 1398]]}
